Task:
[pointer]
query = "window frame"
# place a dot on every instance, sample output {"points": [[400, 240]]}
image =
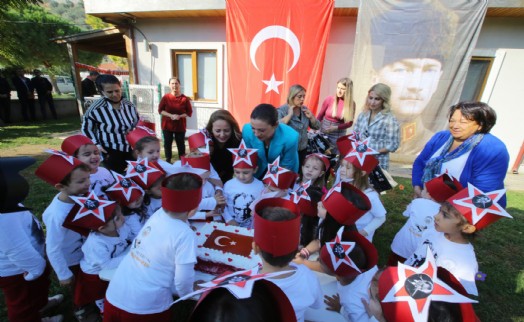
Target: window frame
{"points": [[194, 70], [486, 75]]}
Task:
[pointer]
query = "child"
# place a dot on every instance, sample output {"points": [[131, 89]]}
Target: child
{"points": [[82, 148], [307, 198], [243, 189], [277, 229], [342, 206], [420, 213], [107, 240], [148, 177], [459, 218], [130, 197], [201, 142], [24, 275], [162, 255], [146, 145], [353, 260], [279, 180], [355, 167], [314, 168], [63, 246]]}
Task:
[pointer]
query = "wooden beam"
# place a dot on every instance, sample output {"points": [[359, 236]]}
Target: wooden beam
{"points": [[131, 56], [73, 57]]}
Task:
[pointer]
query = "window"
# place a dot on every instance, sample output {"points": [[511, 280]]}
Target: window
{"points": [[478, 73], [197, 71]]}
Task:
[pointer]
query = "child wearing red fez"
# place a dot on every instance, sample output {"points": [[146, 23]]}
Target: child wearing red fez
{"points": [[307, 197], [455, 225], [146, 145], [277, 230], [161, 259], [314, 170], [420, 213], [243, 188], [107, 239], [201, 142], [353, 260], [24, 273], [82, 148]]}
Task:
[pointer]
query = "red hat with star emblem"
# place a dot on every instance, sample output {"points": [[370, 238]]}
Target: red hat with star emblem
{"points": [[344, 142], [199, 140], [244, 158], [181, 200], [57, 167], [149, 125], [361, 156], [277, 238], [346, 211], [72, 143], [144, 173], [307, 198], [337, 254], [322, 158], [89, 213], [124, 190], [279, 177], [138, 133], [480, 209], [405, 292], [443, 187], [202, 161]]}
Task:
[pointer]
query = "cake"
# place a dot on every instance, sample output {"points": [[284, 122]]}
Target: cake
{"points": [[222, 248]]}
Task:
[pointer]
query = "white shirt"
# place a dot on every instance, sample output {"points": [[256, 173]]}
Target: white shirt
{"points": [[21, 245], [458, 259], [351, 295], [142, 283], [102, 178], [302, 289], [453, 167], [63, 246], [421, 214], [134, 222], [154, 205], [239, 197], [375, 217], [207, 203], [104, 252]]}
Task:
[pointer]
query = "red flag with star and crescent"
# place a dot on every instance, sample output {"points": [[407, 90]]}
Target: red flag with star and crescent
{"points": [[272, 45]]}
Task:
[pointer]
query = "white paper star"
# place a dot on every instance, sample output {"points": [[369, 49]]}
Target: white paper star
{"points": [[339, 248], [360, 150], [124, 184], [274, 170], [482, 203], [140, 169], [145, 128], [337, 188], [62, 154], [242, 153], [91, 205], [272, 84], [301, 193]]}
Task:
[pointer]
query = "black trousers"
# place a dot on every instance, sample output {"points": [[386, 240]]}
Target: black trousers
{"points": [[5, 109], [46, 99], [27, 104], [116, 160], [168, 143]]}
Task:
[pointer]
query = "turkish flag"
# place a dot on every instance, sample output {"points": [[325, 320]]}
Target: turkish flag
{"points": [[272, 45]]}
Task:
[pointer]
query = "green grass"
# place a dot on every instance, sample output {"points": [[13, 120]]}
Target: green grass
{"points": [[499, 248]]}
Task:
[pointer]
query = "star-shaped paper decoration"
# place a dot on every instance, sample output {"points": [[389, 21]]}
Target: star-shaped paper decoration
{"points": [[274, 170], [124, 184], [62, 154], [301, 193], [337, 188], [354, 136], [145, 128], [482, 203], [207, 139], [272, 84], [240, 284], [242, 153], [140, 169], [339, 251], [91, 205], [419, 286], [360, 150]]}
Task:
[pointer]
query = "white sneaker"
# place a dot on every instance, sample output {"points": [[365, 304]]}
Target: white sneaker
{"points": [[55, 318], [52, 302]]}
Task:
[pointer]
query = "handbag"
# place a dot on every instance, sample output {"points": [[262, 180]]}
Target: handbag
{"points": [[381, 180], [317, 143]]}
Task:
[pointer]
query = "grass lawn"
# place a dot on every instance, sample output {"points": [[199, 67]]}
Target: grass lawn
{"points": [[498, 248]]}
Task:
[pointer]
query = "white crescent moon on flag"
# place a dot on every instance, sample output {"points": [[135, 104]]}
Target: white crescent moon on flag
{"points": [[217, 241], [275, 32]]}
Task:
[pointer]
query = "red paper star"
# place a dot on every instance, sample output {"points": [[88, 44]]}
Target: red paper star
{"points": [[91, 205], [482, 203], [140, 169], [125, 185], [242, 153], [360, 150], [339, 251], [337, 188], [62, 154], [274, 170], [301, 193]]}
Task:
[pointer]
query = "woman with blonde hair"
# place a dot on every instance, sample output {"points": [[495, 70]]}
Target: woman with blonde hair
{"points": [[378, 123], [337, 112]]}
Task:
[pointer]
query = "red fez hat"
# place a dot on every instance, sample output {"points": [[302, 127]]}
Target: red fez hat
{"points": [[439, 187], [279, 177], [198, 162], [405, 292], [124, 190], [301, 197], [57, 167], [143, 172], [138, 133], [149, 125], [277, 238], [181, 200], [89, 213], [343, 210], [361, 156], [198, 140], [243, 157], [480, 209], [322, 158], [344, 142], [72, 143], [336, 254]]}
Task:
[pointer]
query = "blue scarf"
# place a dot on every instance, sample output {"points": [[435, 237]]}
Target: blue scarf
{"points": [[434, 166]]}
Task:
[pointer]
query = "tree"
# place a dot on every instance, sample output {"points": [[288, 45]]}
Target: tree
{"points": [[16, 4]]}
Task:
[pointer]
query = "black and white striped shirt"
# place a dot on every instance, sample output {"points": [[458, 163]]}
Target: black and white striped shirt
{"points": [[107, 126]]}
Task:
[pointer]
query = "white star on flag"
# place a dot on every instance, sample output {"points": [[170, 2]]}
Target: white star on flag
{"points": [[272, 84], [62, 154], [419, 286], [274, 170], [242, 153], [482, 203], [343, 248], [124, 184], [91, 205], [360, 150], [337, 188], [301, 193], [140, 169]]}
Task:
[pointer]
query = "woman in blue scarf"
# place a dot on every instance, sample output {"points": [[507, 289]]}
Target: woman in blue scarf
{"points": [[466, 151]]}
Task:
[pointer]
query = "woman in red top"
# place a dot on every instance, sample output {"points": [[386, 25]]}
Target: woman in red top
{"points": [[175, 107]]}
